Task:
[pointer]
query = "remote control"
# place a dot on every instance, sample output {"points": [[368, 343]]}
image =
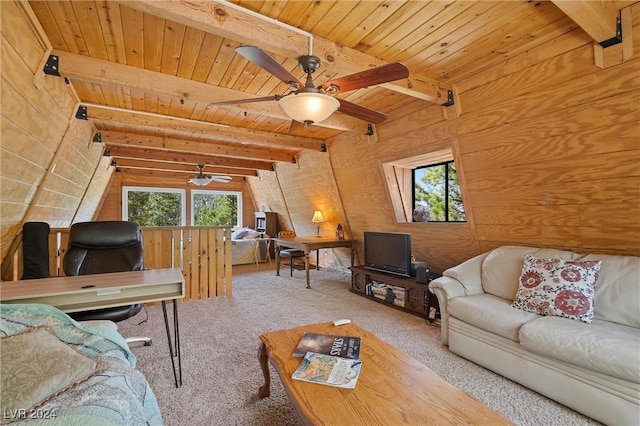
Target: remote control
{"points": [[341, 322]]}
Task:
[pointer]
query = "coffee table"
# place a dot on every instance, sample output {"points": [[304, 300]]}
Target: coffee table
{"points": [[392, 388]]}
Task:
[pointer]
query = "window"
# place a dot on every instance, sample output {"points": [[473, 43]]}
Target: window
{"points": [[216, 208], [427, 187], [154, 206], [436, 194]]}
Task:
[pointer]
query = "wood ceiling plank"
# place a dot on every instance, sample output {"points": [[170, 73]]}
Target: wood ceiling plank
{"points": [[323, 24], [87, 13], [453, 25], [132, 33], [64, 17], [510, 36], [230, 23], [373, 13], [48, 23], [172, 47], [206, 57], [111, 26], [191, 47], [153, 38]]}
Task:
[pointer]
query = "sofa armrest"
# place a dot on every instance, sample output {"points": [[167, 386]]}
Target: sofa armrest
{"points": [[445, 288]]}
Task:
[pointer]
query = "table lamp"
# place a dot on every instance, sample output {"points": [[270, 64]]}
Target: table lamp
{"points": [[317, 218]]}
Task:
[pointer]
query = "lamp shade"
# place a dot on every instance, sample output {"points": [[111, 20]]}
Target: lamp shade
{"points": [[309, 107], [200, 180], [317, 217]]}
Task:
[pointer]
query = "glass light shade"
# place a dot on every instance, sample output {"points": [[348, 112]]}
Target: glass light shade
{"points": [[200, 180], [317, 217], [309, 107]]}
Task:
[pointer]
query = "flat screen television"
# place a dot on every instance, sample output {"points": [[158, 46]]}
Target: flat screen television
{"points": [[388, 252]]}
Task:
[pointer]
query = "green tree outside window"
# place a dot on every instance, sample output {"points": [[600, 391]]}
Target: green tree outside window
{"points": [[436, 189]]}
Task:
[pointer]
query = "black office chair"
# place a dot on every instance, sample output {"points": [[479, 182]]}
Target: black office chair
{"points": [[288, 253], [105, 247]]}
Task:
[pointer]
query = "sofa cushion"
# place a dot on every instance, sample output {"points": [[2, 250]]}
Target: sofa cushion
{"points": [[602, 346], [502, 266], [618, 289], [490, 313], [557, 287]]}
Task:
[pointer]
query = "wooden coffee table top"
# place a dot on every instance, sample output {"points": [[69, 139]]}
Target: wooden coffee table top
{"points": [[392, 388]]}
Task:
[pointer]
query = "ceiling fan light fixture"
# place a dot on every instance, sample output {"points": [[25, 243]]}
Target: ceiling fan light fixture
{"points": [[200, 180], [308, 107]]}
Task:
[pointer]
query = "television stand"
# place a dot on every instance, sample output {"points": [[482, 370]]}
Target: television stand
{"points": [[395, 291]]}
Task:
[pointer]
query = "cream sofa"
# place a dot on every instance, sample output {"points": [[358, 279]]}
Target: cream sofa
{"points": [[592, 368]]}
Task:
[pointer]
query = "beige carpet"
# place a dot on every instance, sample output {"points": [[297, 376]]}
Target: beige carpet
{"points": [[220, 342]]}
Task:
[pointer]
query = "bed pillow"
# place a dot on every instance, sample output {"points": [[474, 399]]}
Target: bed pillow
{"points": [[239, 234], [35, 366], [558, 287]]}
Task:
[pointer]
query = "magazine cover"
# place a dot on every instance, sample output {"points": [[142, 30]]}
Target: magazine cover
{"points": [[342, 346], [328, 370]]}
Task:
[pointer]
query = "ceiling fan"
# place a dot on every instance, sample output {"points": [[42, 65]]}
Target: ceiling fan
{"points": [[203, 180], [309, 104]]}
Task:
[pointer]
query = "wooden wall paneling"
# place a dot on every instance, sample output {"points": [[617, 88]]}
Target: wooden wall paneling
{"points": [[267, 195], [96, 192], [203, 263]]}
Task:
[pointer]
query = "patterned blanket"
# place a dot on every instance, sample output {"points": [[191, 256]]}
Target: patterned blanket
{"points": [[116, 394]]}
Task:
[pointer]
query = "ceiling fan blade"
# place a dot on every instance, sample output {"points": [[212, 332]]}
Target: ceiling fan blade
{"points": [[220, 178], [267, 63], [371, 77], [361, 112], [245, 101]]}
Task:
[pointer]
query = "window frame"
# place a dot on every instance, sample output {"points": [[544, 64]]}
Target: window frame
{"points": [[398, 176], [238, 194], [447, 188], [181, 192]]}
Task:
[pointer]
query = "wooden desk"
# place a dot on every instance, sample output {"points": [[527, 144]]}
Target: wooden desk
{"points": [[392, 389], [98, 291], [309, 244]]}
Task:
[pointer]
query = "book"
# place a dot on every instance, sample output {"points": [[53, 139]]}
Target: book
{"points": [[328, 370], [328, 344]]}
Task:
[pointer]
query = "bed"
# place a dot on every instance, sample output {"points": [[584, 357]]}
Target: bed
{"points": [[55, 370], [244, 246]]}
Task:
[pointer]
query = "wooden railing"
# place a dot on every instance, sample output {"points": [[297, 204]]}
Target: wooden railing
{"points": [[202, 253]]}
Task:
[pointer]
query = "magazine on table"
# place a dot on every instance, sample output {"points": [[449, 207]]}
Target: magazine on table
{"points": [[328, 370], [328, 344]]}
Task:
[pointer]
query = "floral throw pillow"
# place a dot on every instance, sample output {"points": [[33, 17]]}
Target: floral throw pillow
{"points": [[558, 287]]}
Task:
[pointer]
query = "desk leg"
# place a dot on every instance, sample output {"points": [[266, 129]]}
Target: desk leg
{"points": [[176, 330], [265, 390], [277, 260], [306, 267], [318, 260]]}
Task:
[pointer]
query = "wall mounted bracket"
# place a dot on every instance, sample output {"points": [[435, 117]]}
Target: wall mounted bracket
{"points": [[51, 67], [81, 114], [97, 137]]}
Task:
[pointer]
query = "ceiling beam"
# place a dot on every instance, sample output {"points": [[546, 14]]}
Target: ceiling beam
{"points": [[596, 18], [118, 152], [114, 138], [85, 68], [213, 131], [179, 168], [222, 20]]}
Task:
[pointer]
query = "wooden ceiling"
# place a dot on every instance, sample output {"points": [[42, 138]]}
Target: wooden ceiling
{"points": [[148, 70]]}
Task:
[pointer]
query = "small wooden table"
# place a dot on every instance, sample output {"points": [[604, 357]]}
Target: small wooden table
{"points": [[392, 388], [309, 244]]}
